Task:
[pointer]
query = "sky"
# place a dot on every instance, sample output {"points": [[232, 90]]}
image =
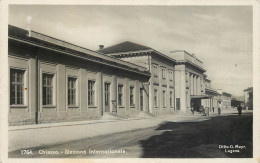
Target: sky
{"points": [[220, 36]]}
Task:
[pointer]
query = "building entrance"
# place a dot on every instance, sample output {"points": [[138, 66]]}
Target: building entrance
{"points": [[196, 104], [141, 99]]}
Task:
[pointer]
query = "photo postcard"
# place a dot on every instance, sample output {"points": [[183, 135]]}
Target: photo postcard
{"points": [[146, 81]]}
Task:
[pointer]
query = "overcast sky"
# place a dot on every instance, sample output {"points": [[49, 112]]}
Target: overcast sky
{"points": [[220, 36]]}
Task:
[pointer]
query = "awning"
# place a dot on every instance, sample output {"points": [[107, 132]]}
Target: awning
{"points": [[199, 97]]}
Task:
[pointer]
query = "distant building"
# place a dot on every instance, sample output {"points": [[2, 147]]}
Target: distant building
{"points": [[248, 98], [213, 99], [225, 99], [235, 102]]}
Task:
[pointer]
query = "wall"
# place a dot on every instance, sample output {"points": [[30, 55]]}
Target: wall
{"points": [[185, 85], [162, 84]]}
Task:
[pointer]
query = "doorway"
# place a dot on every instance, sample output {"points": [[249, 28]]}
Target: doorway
{"points": [[141, 99]]}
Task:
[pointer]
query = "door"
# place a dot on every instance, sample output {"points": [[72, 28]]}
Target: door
{"points": [[178, 104], [141, 99], [107, 97]]}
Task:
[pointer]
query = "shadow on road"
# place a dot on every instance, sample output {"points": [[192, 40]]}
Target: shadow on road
{"points": [[202, 139]]}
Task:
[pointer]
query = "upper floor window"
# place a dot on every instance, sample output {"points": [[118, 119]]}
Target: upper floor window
{"points": [[171, 75], [131, 96], [72, 89], [163, 73], [120, 95], [91, 92], [47, 86], [16, 87], [155, 69]]}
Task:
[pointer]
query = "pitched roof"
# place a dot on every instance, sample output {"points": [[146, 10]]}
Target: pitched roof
{"points": [[124, 47], [249, 89], [16, 34], [226, 94]]}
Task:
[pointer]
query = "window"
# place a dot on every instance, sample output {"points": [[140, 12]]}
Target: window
{"points": [[107, 95], [72, 91], [187, 77], [171, 100], [171, 75], [164, 99], [155, 71], [132, 96], [16, 87], [91, 92], [155, 98], [120, 95], [163, 73], [47, 86]]}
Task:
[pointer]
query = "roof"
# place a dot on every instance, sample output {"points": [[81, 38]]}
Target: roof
{"points": [[249, 89], [129, 48], [194, 62], [124, 47], [211, 90], [40, 40], [227, 94]]}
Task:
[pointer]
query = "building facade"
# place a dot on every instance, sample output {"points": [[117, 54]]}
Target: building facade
{"points": [[248, 98], [161, 83], [225, 99], [52, 80], [189, 81], [214, 98]]}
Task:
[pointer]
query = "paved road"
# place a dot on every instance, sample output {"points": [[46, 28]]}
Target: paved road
{"points": [[227, 136]]}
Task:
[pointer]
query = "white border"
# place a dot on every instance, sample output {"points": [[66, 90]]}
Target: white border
{"points": [[4, 73]]}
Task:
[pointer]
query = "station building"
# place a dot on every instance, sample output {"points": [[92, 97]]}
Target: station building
{"points": [[52, 80], [225, 99]]}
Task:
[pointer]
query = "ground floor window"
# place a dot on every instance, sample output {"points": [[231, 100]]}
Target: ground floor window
{"points": [[16, 87], [171, 103], [91, 92], [107, 94], [164, 98], [131, 96], [72, 89], [120, 95], [155, 98], [47, 86]]}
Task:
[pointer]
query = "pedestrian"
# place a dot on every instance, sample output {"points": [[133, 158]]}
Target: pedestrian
{"points": [[213, 109], [203, 111], [208, 111], [219, 111], [192, 110], [239, 109]]}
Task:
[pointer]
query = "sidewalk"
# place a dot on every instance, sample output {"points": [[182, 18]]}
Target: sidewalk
{"points": [[25, 137]]}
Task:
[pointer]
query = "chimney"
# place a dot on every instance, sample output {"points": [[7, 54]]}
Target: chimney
{"points": [[101, 47]]}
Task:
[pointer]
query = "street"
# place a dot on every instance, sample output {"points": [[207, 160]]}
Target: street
{"points": [[218, 137]]}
